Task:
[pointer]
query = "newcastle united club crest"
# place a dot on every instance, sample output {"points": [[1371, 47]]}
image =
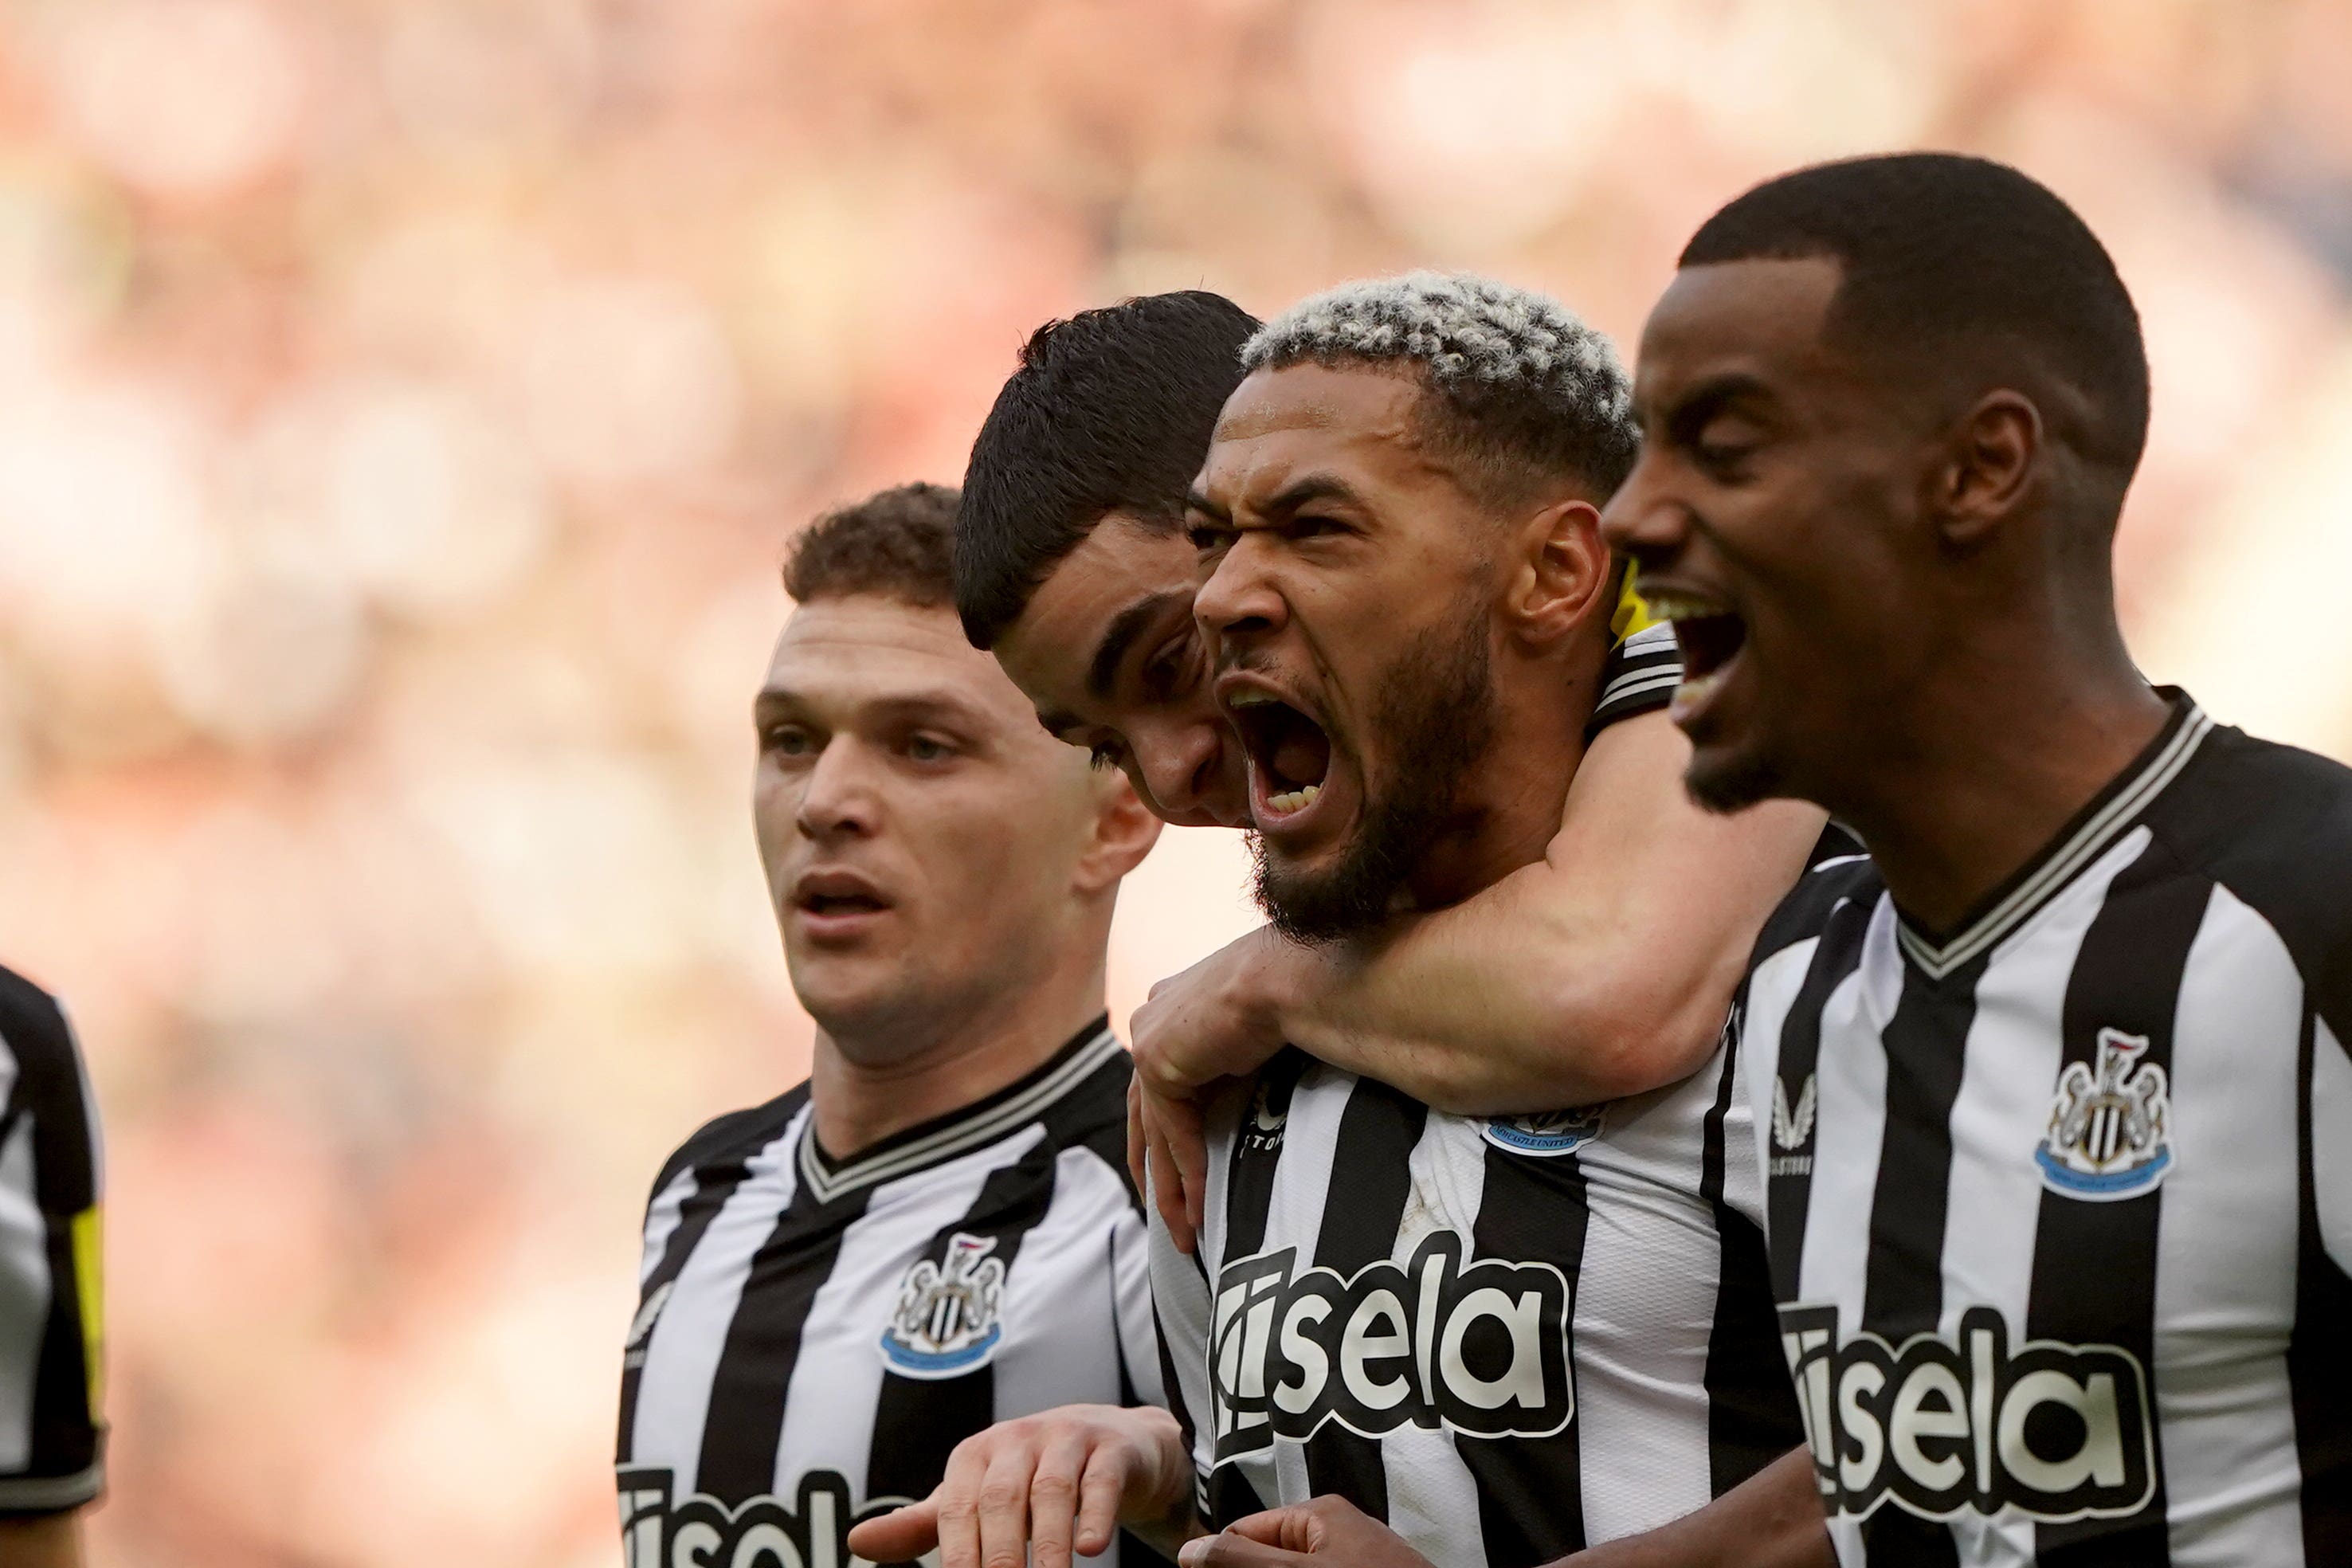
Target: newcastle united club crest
{"points": [[945, 1321], [1552, 1133], [2109, 1135]]}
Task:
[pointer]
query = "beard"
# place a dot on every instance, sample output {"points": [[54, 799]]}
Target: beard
{"points": [[1434, 714]]}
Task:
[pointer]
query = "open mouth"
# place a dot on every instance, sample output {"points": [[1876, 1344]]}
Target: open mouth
{"points": [[1289, 753], [835, 893], [1709, 638]]}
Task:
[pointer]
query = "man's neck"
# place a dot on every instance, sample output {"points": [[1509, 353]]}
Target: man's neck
{"points": [[1986, 773], [1511, 803], [955, 1062]]}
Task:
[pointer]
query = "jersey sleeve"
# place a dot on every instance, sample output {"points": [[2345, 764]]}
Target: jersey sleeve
{"points": [[1181, 1306], [51, 1435], [1640, 677]]}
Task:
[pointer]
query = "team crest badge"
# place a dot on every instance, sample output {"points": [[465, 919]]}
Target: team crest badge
{"points": [[1552, 1133], [945, 1321], [2110, 1125]]}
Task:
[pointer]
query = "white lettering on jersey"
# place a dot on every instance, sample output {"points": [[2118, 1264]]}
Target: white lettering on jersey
{"points": [[698, 1531], [1480, 1349], [2055, 1431]]}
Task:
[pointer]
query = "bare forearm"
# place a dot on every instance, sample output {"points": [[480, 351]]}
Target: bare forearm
{"points": [[1773, 1520]]}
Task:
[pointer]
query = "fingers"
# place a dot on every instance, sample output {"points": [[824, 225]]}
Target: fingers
{"points": [[1136, 1165], [1293, 1528], [1004, 1508], [1052, 1501], [1167, 1177], [1189, 1147], [1101, 1488], [902, 1533], [1232, 1551], [957, 1506]]}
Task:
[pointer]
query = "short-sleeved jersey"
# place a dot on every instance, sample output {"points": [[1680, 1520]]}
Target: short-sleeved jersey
{"points": [[1509, 1338], [2060, 1201], [51, 1437], [813, 1339]]}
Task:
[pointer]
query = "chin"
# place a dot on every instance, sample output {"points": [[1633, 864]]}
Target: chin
{"points": [[1724, 779]]}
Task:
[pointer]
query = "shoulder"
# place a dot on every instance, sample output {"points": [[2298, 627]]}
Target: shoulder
{"points": [[1093, 1115], [1838, 872], [33, 1028], [733, 1137], [2272, 825]]}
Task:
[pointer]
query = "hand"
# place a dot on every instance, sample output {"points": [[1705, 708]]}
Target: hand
{"points": [[1221, 1018], [1329, 1528], [1040, 1488]]}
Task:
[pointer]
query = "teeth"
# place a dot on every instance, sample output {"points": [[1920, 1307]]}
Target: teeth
{"points": [[1292, 800], [1694, 691], [1253, 700], [1676, 607]]}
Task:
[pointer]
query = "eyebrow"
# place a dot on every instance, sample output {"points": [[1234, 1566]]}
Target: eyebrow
{"points": [[1299, 492], [940, 701], [1125, 627], [1712, 392]]}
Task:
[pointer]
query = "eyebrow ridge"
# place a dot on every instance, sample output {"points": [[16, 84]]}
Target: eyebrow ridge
{"points": [[1125, 627]]}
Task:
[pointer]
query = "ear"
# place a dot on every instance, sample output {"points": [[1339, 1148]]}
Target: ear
{"points": [[1560, 573], [1124, 831], [1988, 468]]}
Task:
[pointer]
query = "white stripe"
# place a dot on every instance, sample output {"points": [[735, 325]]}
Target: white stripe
{"points": [[1635, 682], [1848, 1125], [662, 1217], [2089, 841], [1772, 991], [24, 1294], [682, 1353], [2331, 1142], [1062, 1298], [984, 1127], [836, 1381], [1645, 1313], [2226, 1249], [1432, 1493]]}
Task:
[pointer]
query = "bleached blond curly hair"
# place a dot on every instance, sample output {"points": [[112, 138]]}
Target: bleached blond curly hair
{"points": [[1532, 390]]}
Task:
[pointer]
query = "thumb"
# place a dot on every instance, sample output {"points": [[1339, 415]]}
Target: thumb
{"points": [[902, 1533], [1232, 1551]]}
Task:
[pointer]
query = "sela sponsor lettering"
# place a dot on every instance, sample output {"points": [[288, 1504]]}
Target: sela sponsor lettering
{"points": [[1941, 1425], [698, 1531], [1480, 1348]]}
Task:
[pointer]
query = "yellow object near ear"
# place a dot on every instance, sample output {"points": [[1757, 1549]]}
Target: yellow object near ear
{"points": [[90, 1292], [1631, 615]]}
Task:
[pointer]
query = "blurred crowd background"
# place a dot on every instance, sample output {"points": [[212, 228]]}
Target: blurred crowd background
{"points": [[404, 404]]}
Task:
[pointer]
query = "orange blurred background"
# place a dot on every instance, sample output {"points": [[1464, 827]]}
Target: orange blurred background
{"points": [[404, 404]]}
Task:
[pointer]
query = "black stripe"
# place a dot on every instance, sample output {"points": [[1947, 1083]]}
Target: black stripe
{"points": [[1789, 1186], [746, 1419], [2094, 1263], [65, 1433], [1531, 1492], [1751, 1405], [1903, 1288], [714, 1183], [917, 1422], [1372, 1177], [2319, 1355], [1250, 1169]]}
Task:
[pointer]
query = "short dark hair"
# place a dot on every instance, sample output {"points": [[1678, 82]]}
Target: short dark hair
{"points": [[895, 543], [1936, 248], [1110, 411]]}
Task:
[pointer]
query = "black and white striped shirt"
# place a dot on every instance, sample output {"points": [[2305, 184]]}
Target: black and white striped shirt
{"points": [[51, 1439], [1639, 676], [1505, 1338], [2061, 1203], [813, 1340]]}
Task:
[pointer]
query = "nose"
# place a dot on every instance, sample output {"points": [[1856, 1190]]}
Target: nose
{"points": [[1177, 769], [1238, 602], [1642, 519], [839, 799]]}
